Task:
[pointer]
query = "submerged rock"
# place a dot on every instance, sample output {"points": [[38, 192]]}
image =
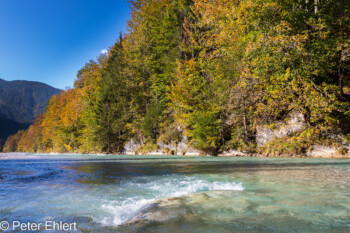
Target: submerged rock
{"points": [[191, 207], [218, 211]]}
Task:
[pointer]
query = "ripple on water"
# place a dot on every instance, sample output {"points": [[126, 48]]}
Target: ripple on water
{"points": [[227, 211], [176, 194], [145, 191]]}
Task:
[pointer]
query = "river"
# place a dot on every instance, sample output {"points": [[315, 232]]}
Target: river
{"points": [[176, 194]]}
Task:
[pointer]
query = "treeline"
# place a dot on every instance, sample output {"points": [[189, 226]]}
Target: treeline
{"points": [[209, 70]]}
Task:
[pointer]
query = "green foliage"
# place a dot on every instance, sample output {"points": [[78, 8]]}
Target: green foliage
{"points": [[146, 148], [342, 151], [168, 151], [172, 134], [346, 138], [150, 124], [111, 111], [292, 145], [212, 71], [298, 143], [205, 133]]}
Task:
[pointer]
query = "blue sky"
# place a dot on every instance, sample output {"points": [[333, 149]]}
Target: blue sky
{"points": [[50, 40]]}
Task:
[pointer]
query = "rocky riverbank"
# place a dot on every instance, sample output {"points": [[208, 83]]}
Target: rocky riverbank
{"points": [[264, 135]]}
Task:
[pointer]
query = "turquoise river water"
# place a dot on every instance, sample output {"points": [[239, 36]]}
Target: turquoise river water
{"points": [[175, 194]]}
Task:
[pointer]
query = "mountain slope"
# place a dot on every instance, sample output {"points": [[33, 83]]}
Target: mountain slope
{"points": [[9, 127], [21, 101]]}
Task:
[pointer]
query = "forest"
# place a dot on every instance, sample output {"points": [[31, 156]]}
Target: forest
{"points": [[210, 71]]}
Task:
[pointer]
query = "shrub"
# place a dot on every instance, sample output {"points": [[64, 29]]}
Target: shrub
{"points": [[342, 151], [168, 151], [146, 148]]}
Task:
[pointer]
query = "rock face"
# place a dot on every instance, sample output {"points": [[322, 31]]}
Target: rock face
{"points": [[131, 147], [295, 123], [181, 148], [232, 153], [265, 134], [322, 151]]}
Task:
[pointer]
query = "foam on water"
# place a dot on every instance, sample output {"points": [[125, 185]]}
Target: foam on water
{"points": [[17, 156], [146, 191]]}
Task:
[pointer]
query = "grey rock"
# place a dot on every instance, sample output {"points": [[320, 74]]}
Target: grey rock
{"points": [[295, 123]]}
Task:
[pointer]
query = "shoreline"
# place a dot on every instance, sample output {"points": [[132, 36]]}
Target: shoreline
{"points": [[26, 155]]}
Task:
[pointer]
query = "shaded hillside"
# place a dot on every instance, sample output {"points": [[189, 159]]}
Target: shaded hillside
{"points": [[9, 127], [21, 101]]}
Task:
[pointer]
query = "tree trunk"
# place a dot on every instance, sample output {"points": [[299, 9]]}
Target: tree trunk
{"points": [[341, 77], [306, 5], [316, 6], [245, 126]]}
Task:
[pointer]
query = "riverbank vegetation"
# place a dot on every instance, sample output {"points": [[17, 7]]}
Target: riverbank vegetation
{"points": [[212, 71]]}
